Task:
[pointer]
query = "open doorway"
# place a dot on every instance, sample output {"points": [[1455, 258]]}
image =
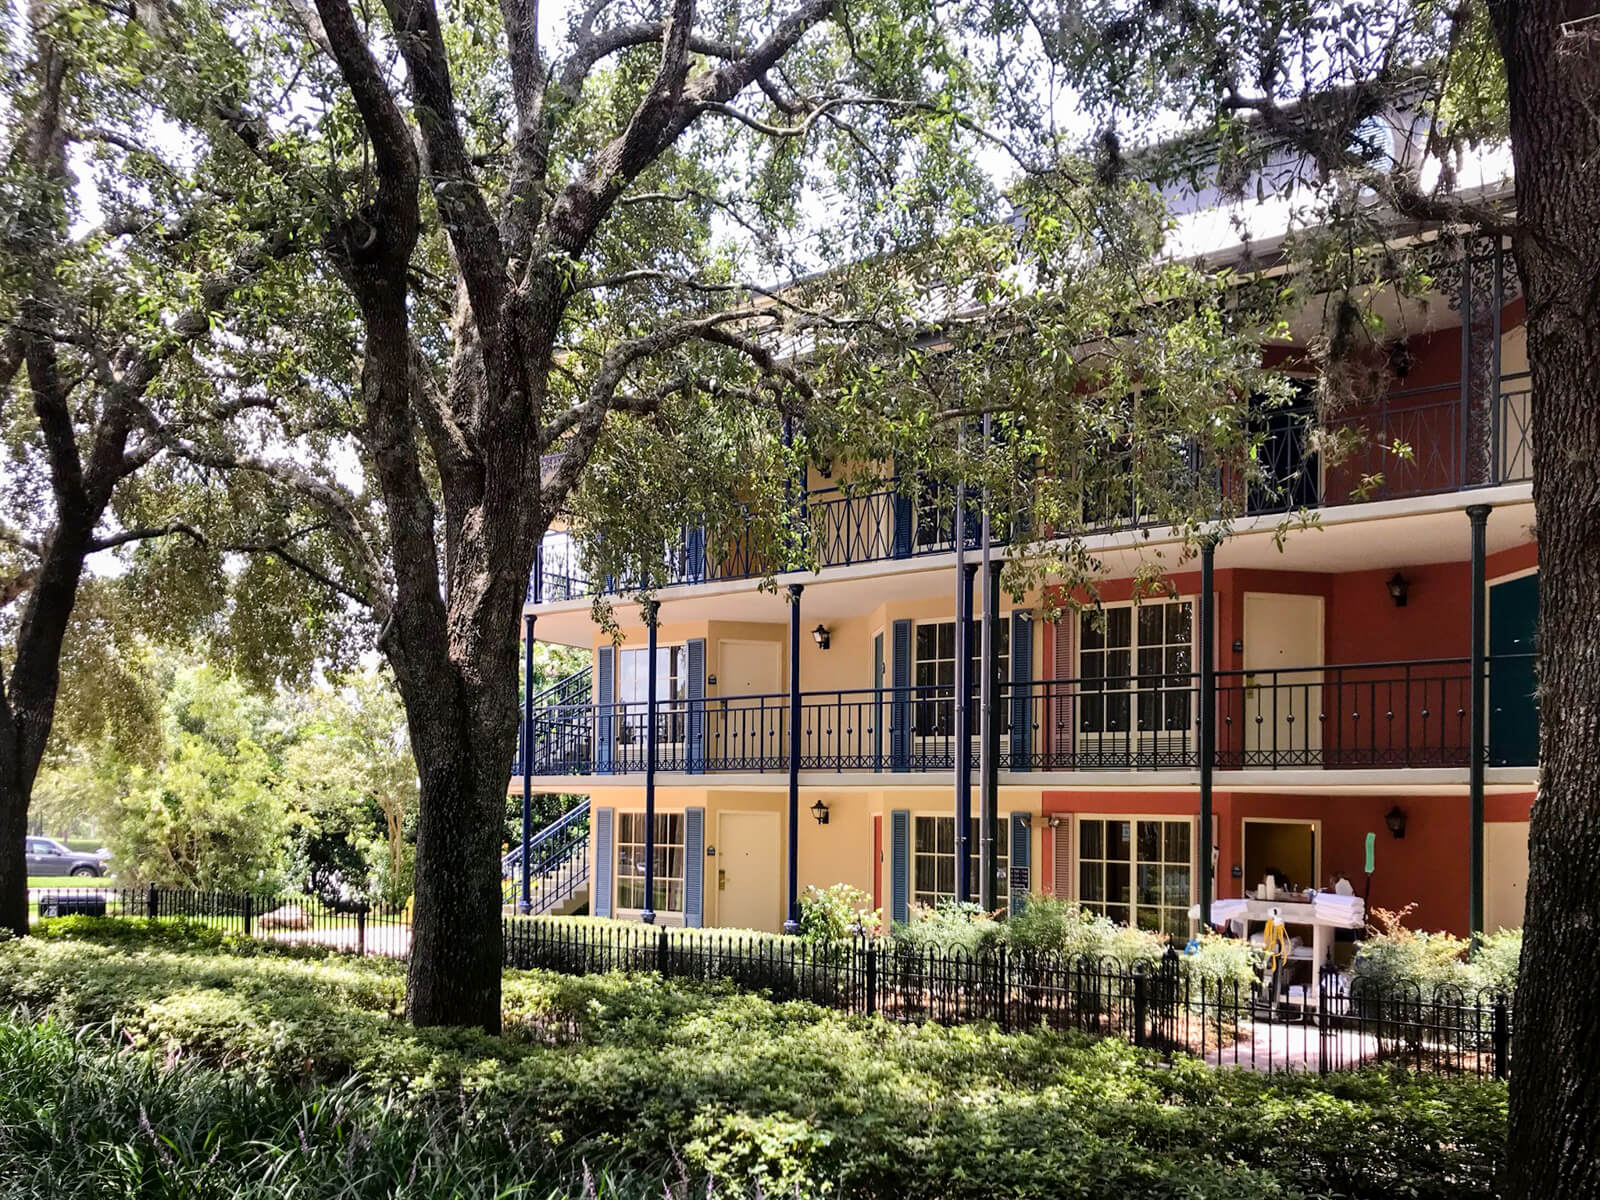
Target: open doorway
{"points": [[1288, 848]]}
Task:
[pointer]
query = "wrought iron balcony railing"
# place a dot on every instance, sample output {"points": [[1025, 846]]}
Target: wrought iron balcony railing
{"points": [[1332, 716], [1449, 442]]}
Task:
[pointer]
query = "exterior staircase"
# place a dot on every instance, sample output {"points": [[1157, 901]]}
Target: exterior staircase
{"points": [[560, 726], [558, 859]]}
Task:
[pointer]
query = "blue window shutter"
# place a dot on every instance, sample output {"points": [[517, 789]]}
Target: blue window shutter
{"points": [[1021, 861], [604, 858], [694, 867], [1021, 692], [899, 866], [900, 701], [695, 758], [904, 521], [605, 678], [694, 554]]}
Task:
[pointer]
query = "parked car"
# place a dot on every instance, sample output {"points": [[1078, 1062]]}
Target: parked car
{"points": [[46, 856]]}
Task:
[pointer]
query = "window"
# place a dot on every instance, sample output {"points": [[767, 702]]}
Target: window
{"points": [[672, 689], [933, 859], [669, 862], [1135, 665], [1137, 871], [935, 675]]}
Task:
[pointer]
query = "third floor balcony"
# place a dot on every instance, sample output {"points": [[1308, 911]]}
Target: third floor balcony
{"points": [[1451, 440]]}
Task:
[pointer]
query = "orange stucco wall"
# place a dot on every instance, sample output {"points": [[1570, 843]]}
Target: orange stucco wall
{"points": [[1428, 867]]}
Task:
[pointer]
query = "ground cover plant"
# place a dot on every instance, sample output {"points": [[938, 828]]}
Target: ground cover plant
{"points": [[132, 1056]]}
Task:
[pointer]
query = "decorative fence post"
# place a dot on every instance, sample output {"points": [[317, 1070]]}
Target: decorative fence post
{"points": [[249, 912], [361, 932], [663, 957], [870, 949], [1502, 1036], [1141, 1004], [1324, 1024], [153, 903]]}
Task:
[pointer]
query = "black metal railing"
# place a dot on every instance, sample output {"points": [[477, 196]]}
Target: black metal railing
{"points": [[1411, 714], [558, 863], [574, 689], [1411, 442], [1171, 1005]]}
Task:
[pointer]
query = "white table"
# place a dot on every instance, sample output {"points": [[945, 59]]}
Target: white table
{"points": [[1290, 912]]}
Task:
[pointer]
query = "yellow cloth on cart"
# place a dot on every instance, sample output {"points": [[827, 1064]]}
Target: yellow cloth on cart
{"points": [[1275, 943]]}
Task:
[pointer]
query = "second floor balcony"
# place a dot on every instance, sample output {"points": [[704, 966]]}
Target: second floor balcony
{"points": [[1382, 715]]}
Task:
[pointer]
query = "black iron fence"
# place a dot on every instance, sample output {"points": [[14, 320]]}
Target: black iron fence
{"points": [[1331, 716], [1176, 1004], [1172, 1004]]}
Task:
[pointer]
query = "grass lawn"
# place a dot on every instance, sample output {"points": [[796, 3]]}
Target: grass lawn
{"points": [[72, 881], [138, 1060]]}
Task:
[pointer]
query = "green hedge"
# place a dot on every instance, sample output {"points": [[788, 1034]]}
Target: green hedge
{"points": [[657, 1081]]}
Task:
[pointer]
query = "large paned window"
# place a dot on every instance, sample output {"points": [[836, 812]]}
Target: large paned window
{"points": [[933, 859], [1135, 664], [935, 675], [669, 862], [633, 691], [1137, 870]]}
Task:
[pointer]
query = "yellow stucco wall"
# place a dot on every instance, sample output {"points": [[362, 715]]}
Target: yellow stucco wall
{"points": [[842, 851]]}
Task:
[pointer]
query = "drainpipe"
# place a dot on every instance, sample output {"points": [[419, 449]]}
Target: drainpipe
{"points": [[1478, 514], [792, 924], [527, 754], [1208, 715], [648, 916]]}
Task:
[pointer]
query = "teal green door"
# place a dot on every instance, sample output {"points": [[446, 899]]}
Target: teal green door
{"points": [[1513, 700]]}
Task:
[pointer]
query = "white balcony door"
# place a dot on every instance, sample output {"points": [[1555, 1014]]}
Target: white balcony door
{"points": [[1282, 706]]}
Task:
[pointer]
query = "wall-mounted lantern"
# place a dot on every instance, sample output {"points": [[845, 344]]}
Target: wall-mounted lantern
{"points": [[1395, 819], [1398, 586], [819, 810], [820, 636]]}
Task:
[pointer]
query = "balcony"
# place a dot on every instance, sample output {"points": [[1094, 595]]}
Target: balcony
{"points": [[1330, 717], [1454, 446]]}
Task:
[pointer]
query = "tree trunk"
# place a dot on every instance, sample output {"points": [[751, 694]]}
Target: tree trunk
{"points": [[13, 861], [1553, 1147], [454, 973]]}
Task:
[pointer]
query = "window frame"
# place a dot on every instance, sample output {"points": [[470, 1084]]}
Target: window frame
{"points": [[1134, 693], [671, 710], [935, 718], [1184, 926], [664, 880], [917, 895]]}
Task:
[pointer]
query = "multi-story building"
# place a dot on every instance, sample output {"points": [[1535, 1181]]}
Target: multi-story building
{"points": [[815, 736]]}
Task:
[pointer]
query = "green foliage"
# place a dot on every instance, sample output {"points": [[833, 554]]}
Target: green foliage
{"points": [[640, 1076], [1400, 958], [948, 927], [837, 915], [215, 815]]}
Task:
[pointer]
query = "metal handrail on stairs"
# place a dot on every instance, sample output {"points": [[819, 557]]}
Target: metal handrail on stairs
{"points": [[558, 862]]}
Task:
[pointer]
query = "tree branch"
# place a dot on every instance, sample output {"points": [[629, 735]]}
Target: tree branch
{"points": [[145, 533], [473, 234]]}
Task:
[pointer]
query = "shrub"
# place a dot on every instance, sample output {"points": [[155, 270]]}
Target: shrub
{"points": [[830, 917], [1399, 959], [296, 1078], [949, 927]]}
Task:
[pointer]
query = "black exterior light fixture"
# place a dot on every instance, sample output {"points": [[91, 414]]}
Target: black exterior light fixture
{"points": [[1395, 819], [820, 636], [1398, 586], [819, 810]]}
